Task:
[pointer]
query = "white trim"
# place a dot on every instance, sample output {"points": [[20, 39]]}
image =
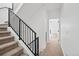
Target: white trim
{"points": [[62, 50]]}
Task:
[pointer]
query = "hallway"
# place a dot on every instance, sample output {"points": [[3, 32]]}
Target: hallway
{"points": [[52, 49]]}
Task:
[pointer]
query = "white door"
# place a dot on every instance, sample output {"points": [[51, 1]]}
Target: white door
{"points": [[53, 29]]}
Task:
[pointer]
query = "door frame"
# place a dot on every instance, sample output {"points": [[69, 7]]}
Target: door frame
{"points": [[58, 31]]}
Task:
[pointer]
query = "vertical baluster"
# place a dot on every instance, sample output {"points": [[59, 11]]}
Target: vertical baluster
{"points": [[9, 17], [19, 29], [32, 36], [29, 37], [32, 40], [33, 46], [38, 46], [35, 43], [25, 34]]}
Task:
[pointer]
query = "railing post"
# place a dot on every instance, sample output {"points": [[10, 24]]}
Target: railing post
{"points": [[8, 16], [19, 28], [35, 44], [12, 6]]}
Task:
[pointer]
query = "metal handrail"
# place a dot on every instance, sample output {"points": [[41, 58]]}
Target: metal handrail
{"points": [[35, 41]]}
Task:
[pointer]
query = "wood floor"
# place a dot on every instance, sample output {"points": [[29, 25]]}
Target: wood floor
{"points": [[52, 49]]}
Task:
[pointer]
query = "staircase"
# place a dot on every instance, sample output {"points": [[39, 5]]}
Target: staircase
{"points": [[8, 46]]}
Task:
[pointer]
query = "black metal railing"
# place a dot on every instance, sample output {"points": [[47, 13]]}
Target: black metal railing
{"points": [[24, 32]]}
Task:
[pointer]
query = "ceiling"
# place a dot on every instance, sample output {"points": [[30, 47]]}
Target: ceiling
{"points": [[53, 6]]}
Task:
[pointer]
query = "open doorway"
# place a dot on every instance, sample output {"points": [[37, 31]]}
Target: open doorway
{"points": [[53, 47], [53, 29]]}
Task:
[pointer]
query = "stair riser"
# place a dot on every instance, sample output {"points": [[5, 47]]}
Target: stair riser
{"points": [[18, 53], [4, 34], [3, 29], [8, 48], [3, 41], [3, 25], [6, 22]]}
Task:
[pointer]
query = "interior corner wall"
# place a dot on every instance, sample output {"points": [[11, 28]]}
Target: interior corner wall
{"points": [[16, 7], [35, 17], [70, 29], [39, 23]]}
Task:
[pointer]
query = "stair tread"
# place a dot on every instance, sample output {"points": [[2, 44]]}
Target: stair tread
{"points": [[6, 22], [13, 51], [24, 54], [3, 26], [7, 44], [4, 32], [1, 38]]}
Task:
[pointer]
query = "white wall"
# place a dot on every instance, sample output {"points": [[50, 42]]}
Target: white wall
{"points": [[54, 14], [70, 29], [9, 5], [53, 10], [4, 11], [3, 15], [35, 16], [17, 6]]}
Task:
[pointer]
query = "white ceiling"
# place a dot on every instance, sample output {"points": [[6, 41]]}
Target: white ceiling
{"points": [[53, 6], [32, 8], [53, 9]]}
